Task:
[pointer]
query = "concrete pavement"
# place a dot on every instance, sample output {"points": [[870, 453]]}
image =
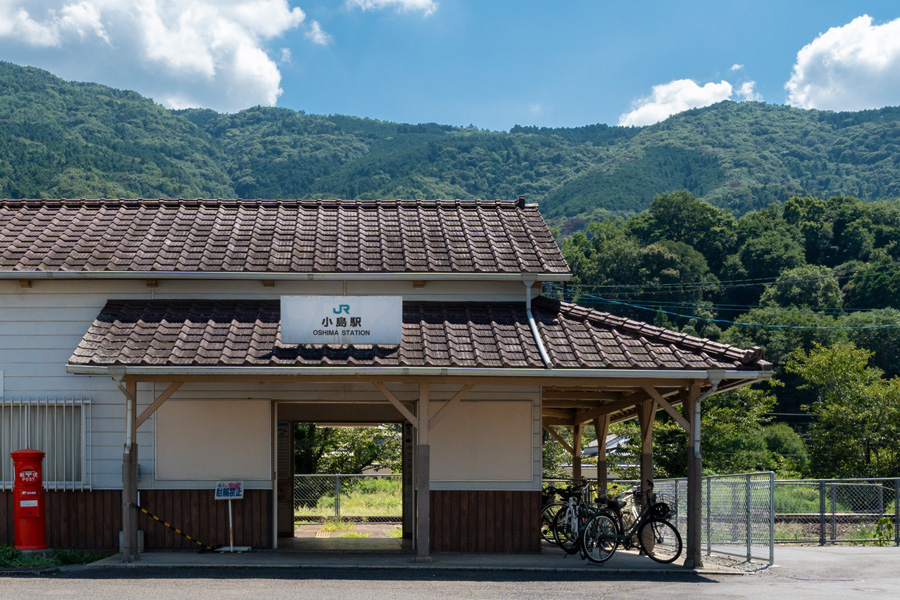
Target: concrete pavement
{"points": [[550, 560]]}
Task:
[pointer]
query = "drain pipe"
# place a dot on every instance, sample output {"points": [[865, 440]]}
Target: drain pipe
{"points": [[531, 322]]}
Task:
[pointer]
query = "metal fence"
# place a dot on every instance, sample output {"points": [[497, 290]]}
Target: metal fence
{"points": [[826, 511], [348, 497], [737, 513]]}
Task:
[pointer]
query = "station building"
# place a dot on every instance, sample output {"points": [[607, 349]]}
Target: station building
{"points": [[145, 346]]}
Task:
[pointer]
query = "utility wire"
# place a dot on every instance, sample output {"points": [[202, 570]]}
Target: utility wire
{"points": [[742, 324]]}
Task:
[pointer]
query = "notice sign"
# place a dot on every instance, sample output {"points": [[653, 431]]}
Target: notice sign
{"points": [[230, 490], [342, 320]]}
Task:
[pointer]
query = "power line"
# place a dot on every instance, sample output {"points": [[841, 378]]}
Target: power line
{"points": [[743, 324], [627, 289]]}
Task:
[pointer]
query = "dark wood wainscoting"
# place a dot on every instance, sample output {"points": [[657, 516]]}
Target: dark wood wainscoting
{"points": [[196, 513], [485, 521], [93, 519], [82, 520]]}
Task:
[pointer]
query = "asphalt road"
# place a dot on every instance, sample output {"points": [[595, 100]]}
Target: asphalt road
{"points": [[800, 573]]}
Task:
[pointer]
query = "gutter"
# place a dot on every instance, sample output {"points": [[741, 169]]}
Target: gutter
{"points": [[282, 276], [381, 372]]}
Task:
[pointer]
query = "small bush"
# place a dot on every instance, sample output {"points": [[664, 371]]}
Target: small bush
{"points": [[12, 558]]}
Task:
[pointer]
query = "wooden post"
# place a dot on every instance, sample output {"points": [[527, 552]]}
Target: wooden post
{"points": [[130, 478], [693, 551], [601, 428], [578, 431], [646, 414], [408, 481], [423, 481]]}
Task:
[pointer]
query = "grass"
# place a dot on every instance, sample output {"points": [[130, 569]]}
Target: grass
{"points": [[396, 533], [12, 558], [790, 532], [366, 498], [354, 534], [337, 526]]}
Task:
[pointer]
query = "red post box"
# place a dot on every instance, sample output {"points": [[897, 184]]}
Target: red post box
{"points": [[30, 528]]}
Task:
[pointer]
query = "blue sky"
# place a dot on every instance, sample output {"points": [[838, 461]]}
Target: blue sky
{"points": [[488, 63]]}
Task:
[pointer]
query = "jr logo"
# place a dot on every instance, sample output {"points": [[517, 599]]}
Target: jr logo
{"points": [[343, 308]]}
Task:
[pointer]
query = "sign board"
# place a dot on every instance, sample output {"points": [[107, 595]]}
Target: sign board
{"points": [[342, 320], [230, 490]]}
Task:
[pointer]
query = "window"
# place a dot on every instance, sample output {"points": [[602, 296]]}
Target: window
{"points": [[60, 427]]}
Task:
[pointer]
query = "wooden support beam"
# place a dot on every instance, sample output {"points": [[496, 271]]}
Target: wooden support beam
{"points": [[601, 428], [451, 403], [576, 452], [562, 442], [693, 553], [557, 413], [559, 394], [611, 407], [646, 414], [423, 480], [129, 475], [397, 404], [422, 413], [157, 403], [653, 393]]}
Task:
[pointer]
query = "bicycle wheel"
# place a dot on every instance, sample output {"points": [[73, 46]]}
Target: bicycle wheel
{"points": [[548, 517], [599, 541], [660, 540], [565, 531]]}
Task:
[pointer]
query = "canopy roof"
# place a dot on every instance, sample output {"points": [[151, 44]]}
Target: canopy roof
{"points": [[435, 334], [276, 236]]}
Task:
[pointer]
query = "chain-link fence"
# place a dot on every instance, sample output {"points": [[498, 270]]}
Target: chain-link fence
{"points": [[828, 511], [348, 497], [737, 513]]}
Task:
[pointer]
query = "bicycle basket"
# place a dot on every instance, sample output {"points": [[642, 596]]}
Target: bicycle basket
{"points": [[660, 510]]}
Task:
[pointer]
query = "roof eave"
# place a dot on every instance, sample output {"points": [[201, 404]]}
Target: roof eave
{"points": [[284, 276], [380, 372]]}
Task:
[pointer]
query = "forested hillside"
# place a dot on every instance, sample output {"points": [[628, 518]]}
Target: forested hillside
{"points": [[63, 139]]}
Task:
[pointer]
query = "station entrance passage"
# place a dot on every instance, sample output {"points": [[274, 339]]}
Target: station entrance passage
{"points": [[323, 504]]}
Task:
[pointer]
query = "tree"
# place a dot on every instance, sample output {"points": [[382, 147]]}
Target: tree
{"points": [[806, 286], [680, 217], [346, 449], [856, 432]]}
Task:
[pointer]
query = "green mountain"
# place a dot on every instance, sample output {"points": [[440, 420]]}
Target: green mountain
{"points": [[64, 139]]}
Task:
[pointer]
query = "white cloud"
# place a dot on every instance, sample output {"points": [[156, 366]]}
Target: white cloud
{"points": [[182, 53], [676, 96], [316, 35], [853, 67], [736, 67], [427, 7], [747, 92]]}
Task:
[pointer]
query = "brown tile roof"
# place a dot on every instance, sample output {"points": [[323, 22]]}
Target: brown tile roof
{"points": [[276, 236], [496, 335]]}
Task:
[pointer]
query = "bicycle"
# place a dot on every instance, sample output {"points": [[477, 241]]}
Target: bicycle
{"points": [[550, 507], [571, 520], [656, 537]]}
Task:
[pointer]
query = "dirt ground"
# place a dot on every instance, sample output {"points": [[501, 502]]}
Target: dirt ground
{"points": [[349, 530]]}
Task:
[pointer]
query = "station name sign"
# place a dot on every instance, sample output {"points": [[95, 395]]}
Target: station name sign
{"points": [[342, 320]]}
